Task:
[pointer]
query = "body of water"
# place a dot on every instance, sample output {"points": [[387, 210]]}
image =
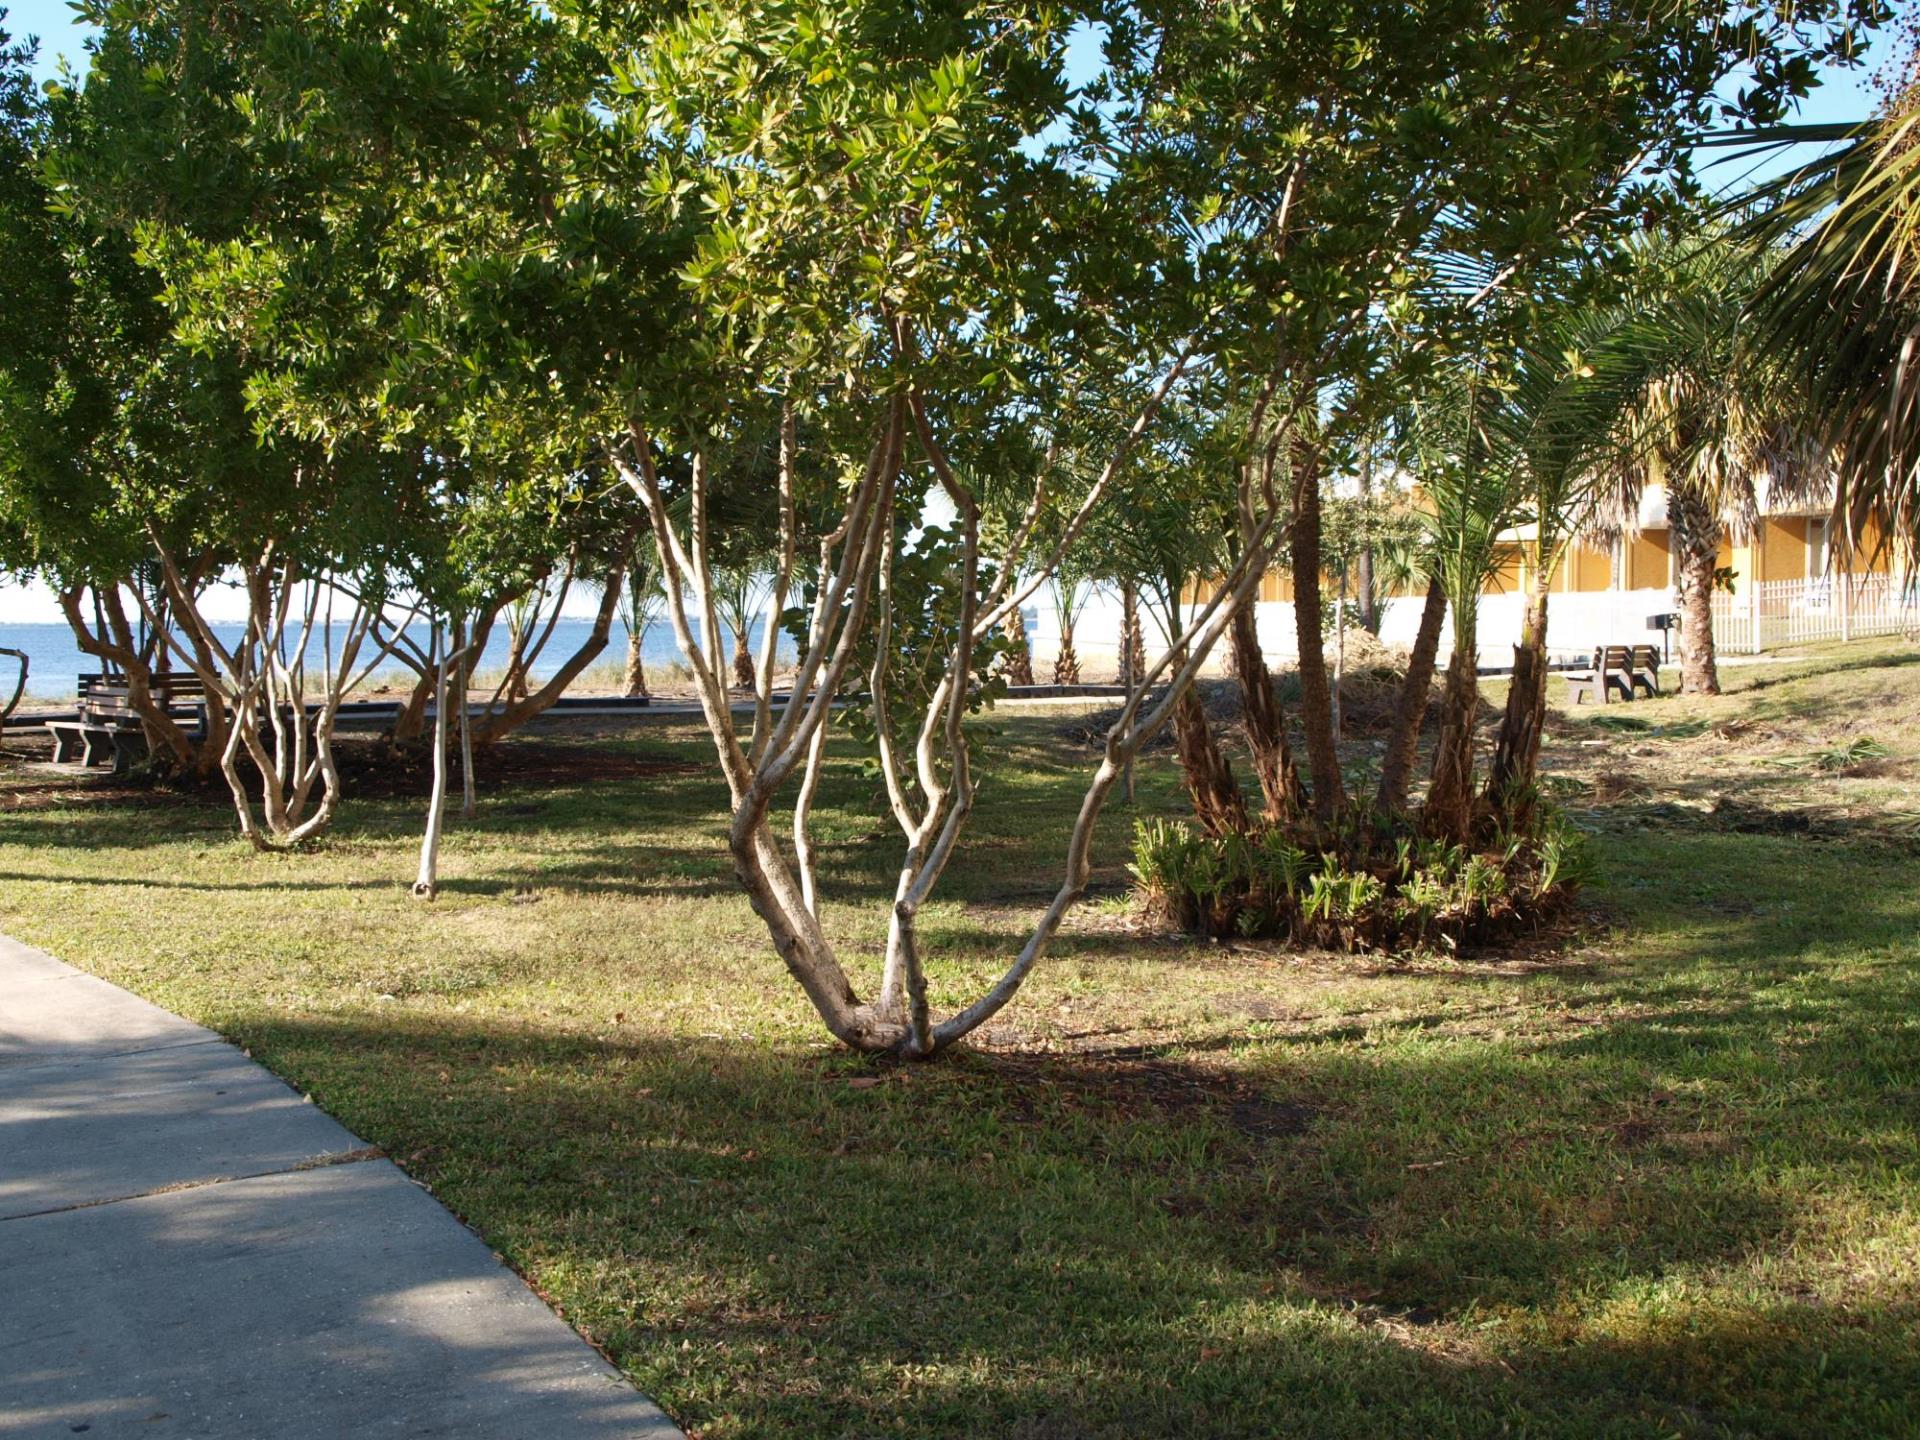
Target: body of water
{"points": [[54, 662]]}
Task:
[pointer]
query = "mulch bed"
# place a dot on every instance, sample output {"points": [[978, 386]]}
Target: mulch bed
{"points": [[369, 769]]}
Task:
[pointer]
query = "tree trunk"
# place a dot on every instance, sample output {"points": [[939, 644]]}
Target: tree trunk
{"points": [[1019, 661], [1217, 802], [426, 884], [1449, 811], [1695, 531], [1316, 695], [1133, 642], [634, 684], [116, 648], [1266, 726], [1366, 604], [1066, 664], [517, 636], [497, 725], [1403, 743], [1516, 754], [411, 721], [742, 655]]}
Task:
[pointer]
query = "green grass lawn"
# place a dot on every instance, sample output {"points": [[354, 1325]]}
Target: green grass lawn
{"points": [[1662, 1179]]}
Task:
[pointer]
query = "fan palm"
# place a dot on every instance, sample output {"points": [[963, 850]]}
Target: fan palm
{"points": [[1842, 310], [1712, 417]]}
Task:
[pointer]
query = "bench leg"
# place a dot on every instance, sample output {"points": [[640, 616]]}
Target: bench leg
{"points": [[129, 749], [91, 746]]}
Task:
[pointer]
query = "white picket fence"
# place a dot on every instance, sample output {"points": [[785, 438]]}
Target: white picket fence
{"points": [[1832, 607]]}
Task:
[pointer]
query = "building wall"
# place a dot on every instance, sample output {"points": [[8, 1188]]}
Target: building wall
{"points": [[1783, 548], [1648, 562]]}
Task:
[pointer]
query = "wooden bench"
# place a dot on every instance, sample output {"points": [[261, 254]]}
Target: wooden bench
{"points": [[124, 745], [109, 728], [108, 699], [1612, 669], [1646, 669]]}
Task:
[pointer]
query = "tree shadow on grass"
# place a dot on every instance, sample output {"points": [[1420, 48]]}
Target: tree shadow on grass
{"points": [[794, 1242]]}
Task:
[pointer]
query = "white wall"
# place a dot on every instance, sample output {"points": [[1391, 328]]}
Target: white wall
{"points": [[1576, 623]]}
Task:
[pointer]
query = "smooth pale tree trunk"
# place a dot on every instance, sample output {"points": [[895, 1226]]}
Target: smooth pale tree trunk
{"points": [[634, 683], [1133, 640], [1695, 529], [1266, 726], [1217, 802], [1403, 742], [1316, 693], [469, 803], [1366, 603], [1019, 662], [1449, 810], [426, 884], [1516, 753]]}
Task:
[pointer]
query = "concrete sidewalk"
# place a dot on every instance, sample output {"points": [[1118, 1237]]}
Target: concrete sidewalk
{"points": [[188, 1248]]}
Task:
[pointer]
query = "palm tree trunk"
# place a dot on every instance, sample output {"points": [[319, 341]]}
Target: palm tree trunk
{"points": [[1516, 754], [1404, 742], [634, 684], [1133, 643], [517, 663], [1066, 664], [1273, 762], [1449, 811], [1217, 802], [1019, 661], [742, 656], [1316, 694], [1696, 547]]}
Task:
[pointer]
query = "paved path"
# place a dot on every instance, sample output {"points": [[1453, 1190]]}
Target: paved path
{"points": [[188, 1248]]}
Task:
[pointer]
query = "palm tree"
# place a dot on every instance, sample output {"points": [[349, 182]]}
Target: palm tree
{"points": [[640, 608], [1071, 590], [1841, 310], [1711, 417], [1473, 489]]}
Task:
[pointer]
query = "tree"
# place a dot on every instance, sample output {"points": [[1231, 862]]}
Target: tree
{"points": [[94, 397], [1841, 309], [640, 610], [831, 223], [1711, 414]]}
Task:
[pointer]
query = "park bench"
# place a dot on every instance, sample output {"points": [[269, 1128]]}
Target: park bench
{"points": [[108, 726], [1646, 669], [1625, 668], [1612, 670]]}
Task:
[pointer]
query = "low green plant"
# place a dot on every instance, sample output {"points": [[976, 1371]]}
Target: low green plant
{"points": [[1359, 887]]}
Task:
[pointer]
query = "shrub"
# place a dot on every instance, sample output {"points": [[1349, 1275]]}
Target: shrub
{"points": [[1361, 889]]}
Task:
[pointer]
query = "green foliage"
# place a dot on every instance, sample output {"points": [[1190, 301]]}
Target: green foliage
{"points": [[1366, 893]]}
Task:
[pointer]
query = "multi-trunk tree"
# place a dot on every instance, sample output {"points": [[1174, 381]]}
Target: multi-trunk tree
{"points": [[902, 242]]}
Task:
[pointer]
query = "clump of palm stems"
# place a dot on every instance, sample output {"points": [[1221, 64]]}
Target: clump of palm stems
{"points": [[1362, 889]]}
